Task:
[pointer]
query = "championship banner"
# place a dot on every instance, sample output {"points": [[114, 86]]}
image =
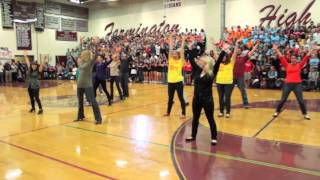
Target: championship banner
{"points": [[24, 41], [66, 36], [172, 3]]}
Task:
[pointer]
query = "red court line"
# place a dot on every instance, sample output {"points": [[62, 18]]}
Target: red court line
{"points": [[58, 160], [33, 130]]}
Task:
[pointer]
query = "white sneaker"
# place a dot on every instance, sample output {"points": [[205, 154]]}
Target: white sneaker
{"points": [[227, 115], [214, 142], [220, 115], [307, 117], [276, 114]]}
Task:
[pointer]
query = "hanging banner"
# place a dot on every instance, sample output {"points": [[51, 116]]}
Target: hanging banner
{"points": [[81, 25], [68, 24], [172, 3], [7, 14], [24, 11], [39, 24], [66, 36], [24, 41], [52, 22]]}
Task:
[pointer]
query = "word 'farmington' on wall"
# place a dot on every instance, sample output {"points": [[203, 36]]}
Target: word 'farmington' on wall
{"points": [[161, 28]]}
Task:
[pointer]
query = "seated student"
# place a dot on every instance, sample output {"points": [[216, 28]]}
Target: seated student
{"points": [[313, 78], [272, 76], [263, 77], [305, 78]]}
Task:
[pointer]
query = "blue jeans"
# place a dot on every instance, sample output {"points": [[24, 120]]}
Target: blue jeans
{"points": [[297, 89], [240, 84], [90, 95]]}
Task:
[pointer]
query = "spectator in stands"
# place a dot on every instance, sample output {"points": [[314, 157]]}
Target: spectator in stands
{"points": [[1, 72], [7, 72], [313, 78], [272, 77]]}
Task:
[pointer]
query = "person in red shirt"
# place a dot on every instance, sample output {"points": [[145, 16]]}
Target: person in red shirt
{"points": [[293, 80], [248, 68]]}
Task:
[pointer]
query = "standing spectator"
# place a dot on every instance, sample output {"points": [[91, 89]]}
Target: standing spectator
{"points": [[14, 71], [187, 72], [124, 73], [1, 73], [7, 72], [248, 70]]}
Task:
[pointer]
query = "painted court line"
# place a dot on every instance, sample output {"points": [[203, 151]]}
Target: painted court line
{"points": [[264, 127], [33, 130], [58, 160], [218, 155]]}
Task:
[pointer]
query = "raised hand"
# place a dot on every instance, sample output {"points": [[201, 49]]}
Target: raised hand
{"points": [[275, 47]]}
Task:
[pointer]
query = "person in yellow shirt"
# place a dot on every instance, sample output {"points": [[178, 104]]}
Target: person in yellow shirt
{"points": [[175, 78], [224, 81]]}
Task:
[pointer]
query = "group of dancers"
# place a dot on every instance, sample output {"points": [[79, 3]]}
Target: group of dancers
{"points": [[205, 70], [226, 69]]}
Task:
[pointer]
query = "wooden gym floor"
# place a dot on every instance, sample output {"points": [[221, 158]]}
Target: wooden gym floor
{"points": [[136, 142]]}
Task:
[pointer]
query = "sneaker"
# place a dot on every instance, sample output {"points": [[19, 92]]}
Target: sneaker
{"points": [[190, 139], [77, 120], [246, 106], [40, 111], [183, 117], [307, 117], [32, 110], [187, 104], [220, 115], [166, 115], [227, 115], [98, 122], [276, 114], [214, 142]]}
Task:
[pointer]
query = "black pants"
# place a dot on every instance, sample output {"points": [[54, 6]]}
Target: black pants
{"points": [[124, 84], [34, 96], [103, 84], [207, 104], [297, 89], [115, 79], [225, 91], [172, 87]]}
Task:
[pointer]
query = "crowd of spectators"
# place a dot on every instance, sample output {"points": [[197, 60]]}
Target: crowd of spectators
{"points": [[149, 52]]}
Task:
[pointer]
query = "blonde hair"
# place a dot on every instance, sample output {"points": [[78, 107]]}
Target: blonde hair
{"points": [[86, 55], [208, 69]]}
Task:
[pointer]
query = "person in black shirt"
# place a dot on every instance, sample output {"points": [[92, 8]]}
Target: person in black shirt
{"points": [[124, 73], [204, 73]]}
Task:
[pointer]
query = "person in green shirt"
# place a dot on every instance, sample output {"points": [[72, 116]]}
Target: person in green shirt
{"points": [[33, 83]]}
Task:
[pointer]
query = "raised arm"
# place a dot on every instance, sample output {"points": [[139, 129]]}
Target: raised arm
{"points": [[276, 49], [41, 68], [26, 58], [183, 41], [306, 58], [170, 45], [236, 49], [217, 64], [254, 49]]}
